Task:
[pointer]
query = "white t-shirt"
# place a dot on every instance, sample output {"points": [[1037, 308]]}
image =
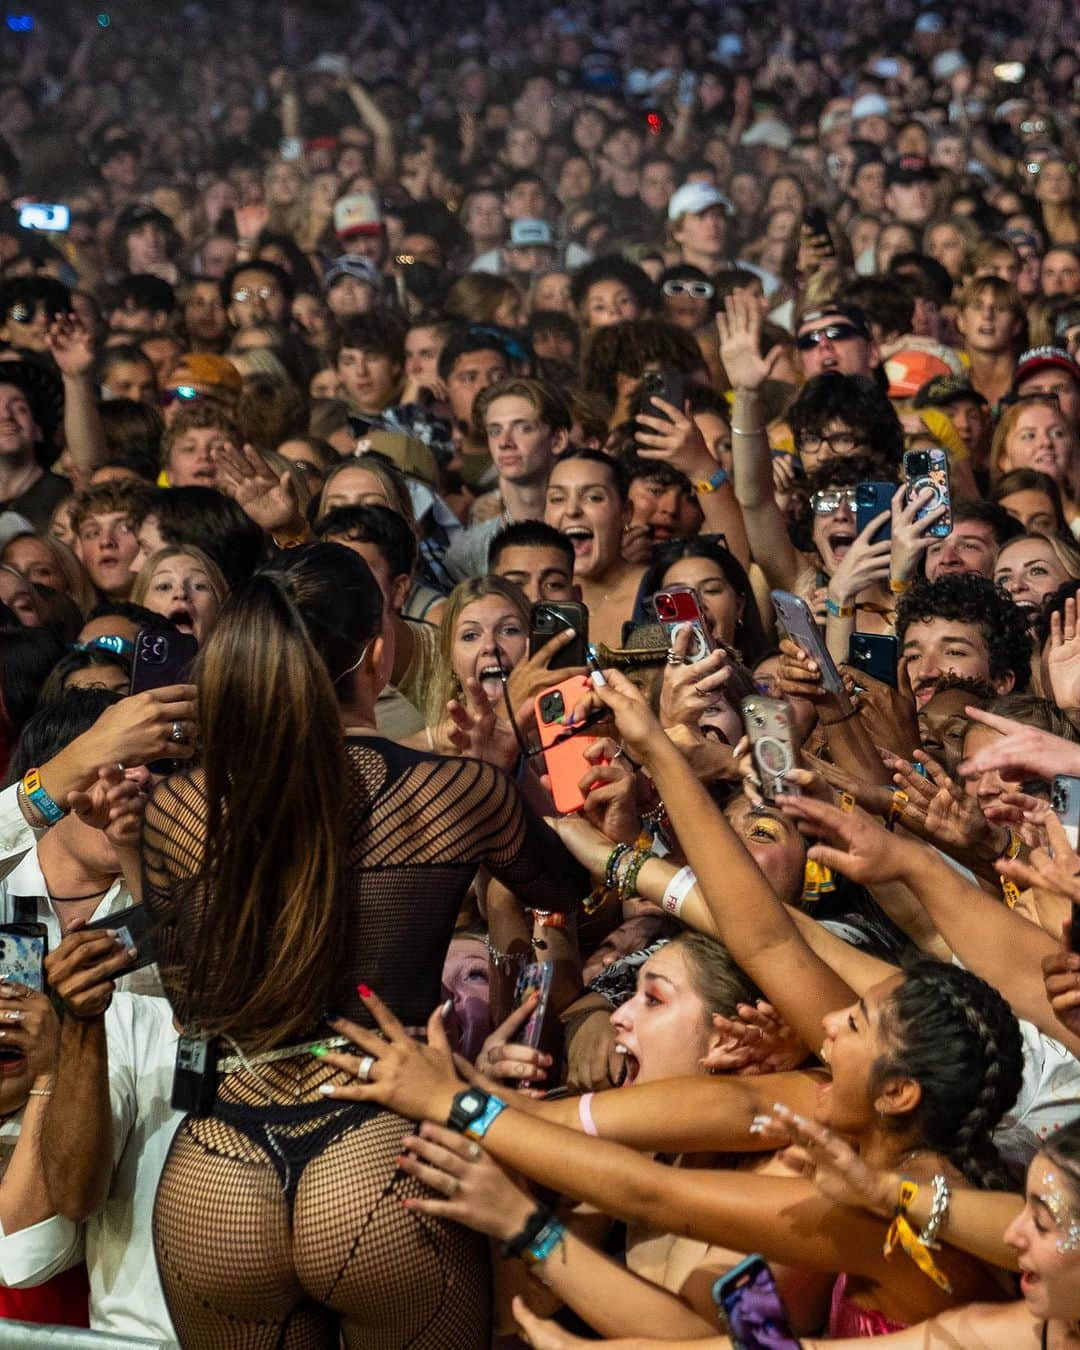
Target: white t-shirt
{"points": [[125, 1292]]}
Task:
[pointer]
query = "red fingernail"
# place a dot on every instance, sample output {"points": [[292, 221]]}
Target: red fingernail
{"points": [[363, 991]]}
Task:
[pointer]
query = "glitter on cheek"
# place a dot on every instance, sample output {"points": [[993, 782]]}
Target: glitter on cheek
{"points": [[1062, 1214]]}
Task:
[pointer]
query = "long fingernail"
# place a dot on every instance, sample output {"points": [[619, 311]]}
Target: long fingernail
{"points": [[444, 1011], [327, 1089], [363, 991]]}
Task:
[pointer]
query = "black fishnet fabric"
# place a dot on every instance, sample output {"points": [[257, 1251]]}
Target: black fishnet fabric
{"points": [[278, 1220]]}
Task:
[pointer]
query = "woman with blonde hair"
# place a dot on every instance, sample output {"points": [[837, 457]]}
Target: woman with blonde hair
{"points": [[481, 297], [484, 634], [185, 586], [1033, 434], [46, 561]]}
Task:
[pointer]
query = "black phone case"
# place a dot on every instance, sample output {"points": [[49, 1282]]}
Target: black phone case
{"points": [[547, 619], [876, 654]]}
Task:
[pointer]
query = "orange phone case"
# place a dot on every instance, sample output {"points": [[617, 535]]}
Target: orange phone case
{"points": [[566, 763]]}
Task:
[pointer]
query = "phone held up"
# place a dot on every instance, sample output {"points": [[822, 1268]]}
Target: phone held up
{"points": [[930, 469], [748, 1297], [798, 623], [768, 725], [162, 659], [1065, 803], [666, 384], [678, 608], [564, 748], [23, 948], [549, 618]]}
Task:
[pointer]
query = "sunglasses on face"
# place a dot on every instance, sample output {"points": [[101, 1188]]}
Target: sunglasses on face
{"points": [[700, 290], [255, 293], [829, 500], [834, 332]]}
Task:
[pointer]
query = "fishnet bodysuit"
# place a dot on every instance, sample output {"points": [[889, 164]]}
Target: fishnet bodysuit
{"points": [[278, 1220]]}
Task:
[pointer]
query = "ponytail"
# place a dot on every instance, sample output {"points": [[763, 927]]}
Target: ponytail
{"points": [[264, 963]]}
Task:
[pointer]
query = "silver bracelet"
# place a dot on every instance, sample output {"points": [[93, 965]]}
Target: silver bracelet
{"points": [[747, 431], [938, 1213], [504, 961]]}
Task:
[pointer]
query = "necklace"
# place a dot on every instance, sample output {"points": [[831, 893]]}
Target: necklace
{"points": [[72, 899]]}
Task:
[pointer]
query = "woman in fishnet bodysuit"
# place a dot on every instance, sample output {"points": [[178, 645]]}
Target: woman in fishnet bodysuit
{"points": [[293, 865]]}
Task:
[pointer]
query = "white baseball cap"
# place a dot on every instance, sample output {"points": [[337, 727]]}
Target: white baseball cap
{"points": [[694, 198], [869, 105], [768, 132]]}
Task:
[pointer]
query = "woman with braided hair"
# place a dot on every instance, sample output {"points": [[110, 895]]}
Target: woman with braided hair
{"points": [[923, 1063]]}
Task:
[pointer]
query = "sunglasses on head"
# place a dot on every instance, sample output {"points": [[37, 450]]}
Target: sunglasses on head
{"points": [[835, 332], [700, 290], [185, 393]]}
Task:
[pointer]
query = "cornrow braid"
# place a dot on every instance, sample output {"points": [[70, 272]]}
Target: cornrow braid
{"points": [[959, 1040]]}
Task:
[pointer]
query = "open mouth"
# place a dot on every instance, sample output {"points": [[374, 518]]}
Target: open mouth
{"points": [[840, 542], [631, 1066], [11, 1062], [581, 540], [490, 678], [1028, 1281], [183, 618]]}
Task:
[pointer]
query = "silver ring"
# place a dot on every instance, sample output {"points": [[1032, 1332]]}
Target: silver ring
{"points": [[177, 733], [474, 1151], [673, 659], [363, 1069]]}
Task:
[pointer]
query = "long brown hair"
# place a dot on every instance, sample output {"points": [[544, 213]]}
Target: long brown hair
{"points": [[265, 964]]}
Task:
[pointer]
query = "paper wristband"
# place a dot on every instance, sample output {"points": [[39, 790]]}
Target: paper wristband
{"points": [[678, 888], [585, 1115]]}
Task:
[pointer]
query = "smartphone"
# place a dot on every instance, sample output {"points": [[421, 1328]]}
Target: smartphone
{"points": [[564, 755], [870, 500], [1065, 804], [799, 625], [817, 222], [749, 1298], [162, 658], [535, 978], [768, 724], [50, 216], [23, 948], [666, 384], [549, 618], [930, 469], [677, 608], [132, 927], [876, 654]]}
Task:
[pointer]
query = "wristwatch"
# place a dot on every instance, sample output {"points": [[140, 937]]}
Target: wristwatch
{"points": [[474, 1111]]}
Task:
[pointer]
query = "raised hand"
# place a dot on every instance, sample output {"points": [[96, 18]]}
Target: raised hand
{"points": [[1061, 976], [688, 691], [910, 537], [71, 345], [269, 499], [477, 732], [739, 327], [860, 846], [1021, 752], [82, 970], [29, 1026], [671, 436], [1063, 658], [503, 1059], [758, 1041], [830, 1162], [863, 565], [533, 675], [610, 792]]}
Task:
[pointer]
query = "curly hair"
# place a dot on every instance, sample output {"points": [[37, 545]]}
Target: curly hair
{"points": [[614, 267], [630, 348], [960, 1041], [967, 598], [855, 400]]}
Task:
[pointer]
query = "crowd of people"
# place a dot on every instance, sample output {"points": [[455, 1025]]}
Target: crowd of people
{"points": [[445, 457]]}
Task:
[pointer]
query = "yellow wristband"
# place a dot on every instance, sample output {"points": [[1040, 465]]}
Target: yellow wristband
{"points": [[898, 587]]}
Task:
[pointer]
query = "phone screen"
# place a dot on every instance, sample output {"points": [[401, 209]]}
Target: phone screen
{"points": [[22, 954], [754, 1308]]}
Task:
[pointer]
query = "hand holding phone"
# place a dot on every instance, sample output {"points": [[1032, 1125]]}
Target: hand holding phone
{"points": [[564, 745], [930, 469], [799, 625], [769, 726], [548, 619], [749, 1298], [23, 948], [679, 609]]}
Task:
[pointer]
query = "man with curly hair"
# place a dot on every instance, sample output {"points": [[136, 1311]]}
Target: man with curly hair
{"points": [[961, 625]]}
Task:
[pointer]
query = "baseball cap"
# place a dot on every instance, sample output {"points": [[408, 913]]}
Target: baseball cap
{"points": [[869, 105], [768, 131], [531, 233], [358, 213], [407, 453], [944, 390], [910, 169], [946, 64], [208, 368], [909, 368], [853, 313], [351, 265], [1042, 358], [694, 198]]}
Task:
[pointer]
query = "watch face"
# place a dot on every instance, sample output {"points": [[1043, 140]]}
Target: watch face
{"points": [[472, 1102]]}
